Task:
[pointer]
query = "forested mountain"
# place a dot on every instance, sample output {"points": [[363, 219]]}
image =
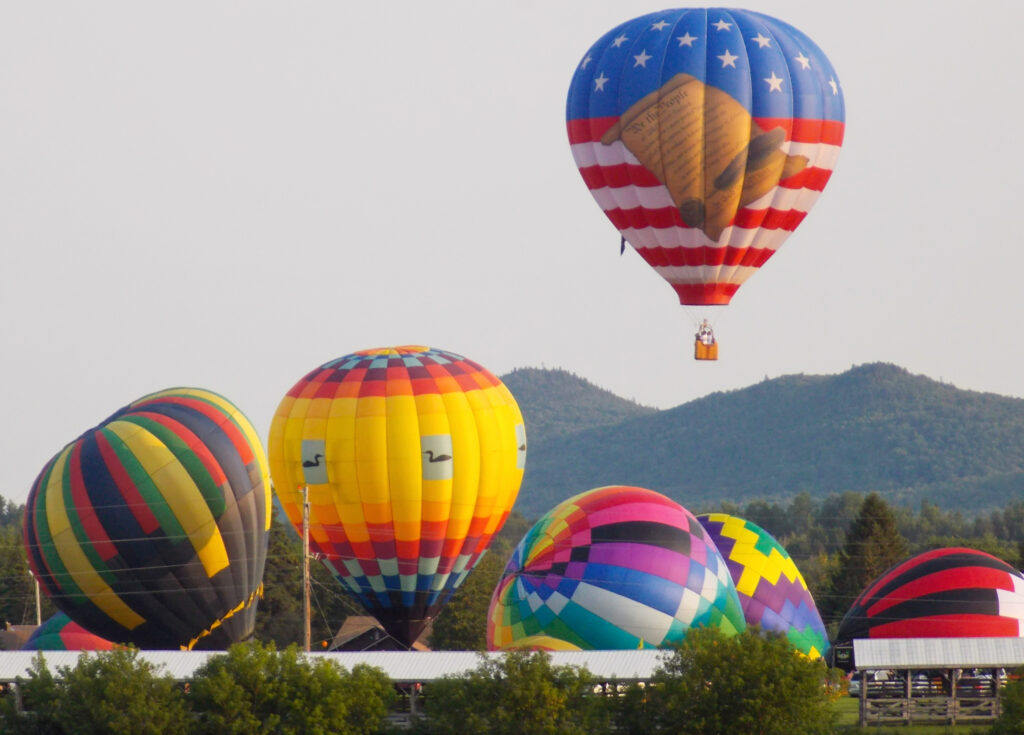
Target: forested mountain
{"points": [[874, 427], [556, 404]]}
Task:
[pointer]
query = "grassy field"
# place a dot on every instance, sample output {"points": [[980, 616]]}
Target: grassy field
{"points": [[847, 723]]}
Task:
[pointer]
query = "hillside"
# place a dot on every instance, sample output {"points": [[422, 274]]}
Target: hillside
{"points": [[556, 404], [874, 427]]}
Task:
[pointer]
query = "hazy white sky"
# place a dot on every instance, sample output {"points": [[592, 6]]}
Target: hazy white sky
{"points": [[227, 194]]}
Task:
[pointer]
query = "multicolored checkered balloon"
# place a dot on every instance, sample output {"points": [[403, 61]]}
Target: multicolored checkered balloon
{"points": [[772, 591], [613, 568]]}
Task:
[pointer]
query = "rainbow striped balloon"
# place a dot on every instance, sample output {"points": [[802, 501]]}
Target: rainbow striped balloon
{"points": [[772, 591], [412, 458], [61, 633], [152, 528], [616, 567]]}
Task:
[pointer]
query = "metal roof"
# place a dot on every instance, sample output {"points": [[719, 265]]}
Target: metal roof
{"points": [[422, 666], [938, 653], [179, 664], [399, 666]]}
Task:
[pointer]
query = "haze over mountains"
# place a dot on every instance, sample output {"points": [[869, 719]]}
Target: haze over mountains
{"points": [[874, 427]]}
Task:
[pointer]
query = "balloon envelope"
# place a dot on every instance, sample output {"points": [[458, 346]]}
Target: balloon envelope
{"points": [[60, 633], [412, 458], [943, 593], [613, 568], [705, 135], [771, 589], [152, 528]]}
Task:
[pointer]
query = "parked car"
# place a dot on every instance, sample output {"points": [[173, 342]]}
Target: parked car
{"points": [[853, 687]]}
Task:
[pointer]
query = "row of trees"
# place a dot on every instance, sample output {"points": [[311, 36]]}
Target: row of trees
{"points": [[250, 689], [807, 527], [838, 566], [711, 684]]}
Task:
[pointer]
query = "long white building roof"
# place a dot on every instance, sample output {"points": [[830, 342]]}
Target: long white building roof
{"points": [[938, 653], [399, 666], [425, 666]]}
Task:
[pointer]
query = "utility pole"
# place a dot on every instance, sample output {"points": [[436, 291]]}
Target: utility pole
{"points": [[305, 568], [39, 614]]}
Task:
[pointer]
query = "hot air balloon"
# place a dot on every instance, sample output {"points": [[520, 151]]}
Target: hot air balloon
{"points": [[412, 458], [943, 593], [772, 591], [152, 528], [61, 633], [705, 135], [616, 567]]}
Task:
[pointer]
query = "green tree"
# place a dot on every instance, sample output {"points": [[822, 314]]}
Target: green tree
{"points": [[753, 682], [10, 513], [17, 590], [511, 533], [37, 697], [1011, 721], [256, 689], [462, 624], [279, 615], [873, 544], [518, 693], [111, 691], [116, 691]]}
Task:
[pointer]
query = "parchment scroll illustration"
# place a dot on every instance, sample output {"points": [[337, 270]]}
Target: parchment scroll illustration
{"points": [[706, 149]]}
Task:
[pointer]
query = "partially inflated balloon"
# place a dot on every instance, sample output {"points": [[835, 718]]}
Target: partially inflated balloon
{"points": [[412, 458], [705, 135], [613, 568], [60, 633], [152, 528], [772, 591], [943, 593]]}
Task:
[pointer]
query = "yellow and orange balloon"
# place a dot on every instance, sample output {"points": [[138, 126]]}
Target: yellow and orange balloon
{"points": [[412, 458]]}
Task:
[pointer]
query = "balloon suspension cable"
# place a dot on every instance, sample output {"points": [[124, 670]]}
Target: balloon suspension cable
{"points": [[714, 315]]}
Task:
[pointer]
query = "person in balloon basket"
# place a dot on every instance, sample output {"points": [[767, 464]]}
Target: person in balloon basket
{"points": [[704, 335]]}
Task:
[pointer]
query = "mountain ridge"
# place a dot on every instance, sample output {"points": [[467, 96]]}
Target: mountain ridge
{"points": [[874, 427]]}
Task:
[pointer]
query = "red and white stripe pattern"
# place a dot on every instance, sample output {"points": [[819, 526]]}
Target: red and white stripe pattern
{"points": [[703, 271]]}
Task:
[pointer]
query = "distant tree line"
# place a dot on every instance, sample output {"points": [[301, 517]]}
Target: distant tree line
{"points": [[844, 542], [840, 543]]}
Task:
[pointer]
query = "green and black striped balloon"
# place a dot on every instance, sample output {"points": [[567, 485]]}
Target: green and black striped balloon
{"points": [[152, 528]]}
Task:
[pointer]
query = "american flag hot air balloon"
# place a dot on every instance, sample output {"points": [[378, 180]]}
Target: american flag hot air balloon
{"points": [[705, 135]]}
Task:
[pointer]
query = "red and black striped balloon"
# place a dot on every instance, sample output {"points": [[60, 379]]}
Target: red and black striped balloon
{"points": [[943, 593]]}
